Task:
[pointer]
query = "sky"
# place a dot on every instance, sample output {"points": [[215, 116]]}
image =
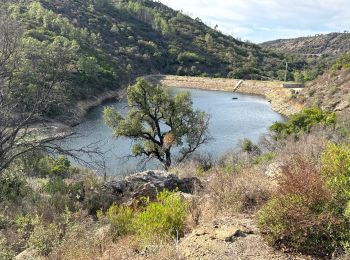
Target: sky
{"points": [[264, 20]]}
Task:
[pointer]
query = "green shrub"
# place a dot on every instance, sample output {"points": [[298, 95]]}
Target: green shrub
{"points": [[51, 167], [13, 187], [25, 224], [342, 62], [64, 195], [6, 253], [163, 219], [160, 220], [248, 146], [189, 57], [60, 167], [55, 186], [336, 170], [120, 218], [302, 122], [44, 238], [264, 158]]}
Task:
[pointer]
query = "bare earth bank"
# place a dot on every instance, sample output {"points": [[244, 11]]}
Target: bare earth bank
{"points": [[280, 98]]}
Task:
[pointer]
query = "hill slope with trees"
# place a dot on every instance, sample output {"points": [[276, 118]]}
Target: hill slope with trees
{"points": [[113, 42], [311, 56], [332, 44]]}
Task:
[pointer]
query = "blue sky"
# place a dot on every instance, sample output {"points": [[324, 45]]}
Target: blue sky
{"points": [[263, 20]]}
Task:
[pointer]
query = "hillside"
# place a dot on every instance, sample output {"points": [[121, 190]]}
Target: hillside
{"points": [[332, 45], [330, 92], [310, 57], [113, 42]]}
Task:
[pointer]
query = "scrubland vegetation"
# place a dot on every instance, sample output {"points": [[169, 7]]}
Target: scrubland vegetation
{"points": [[301, 203], [294, 181]]}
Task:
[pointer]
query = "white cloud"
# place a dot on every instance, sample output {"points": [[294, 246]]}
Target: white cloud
{"points": [[261, 20]]}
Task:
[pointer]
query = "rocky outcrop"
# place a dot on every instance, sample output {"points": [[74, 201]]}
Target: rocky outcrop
{"points": [[148, 184], [229, 238]]}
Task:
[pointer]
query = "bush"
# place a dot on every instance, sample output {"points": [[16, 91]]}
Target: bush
{"points": [[98, 201], [120, 218], [44, 238], [163, 219], [309, 210], [336, 170], [302, 122], [189, 57], [264, 158], [342, 62], [249, 147], [51, 167], [13, 187]]}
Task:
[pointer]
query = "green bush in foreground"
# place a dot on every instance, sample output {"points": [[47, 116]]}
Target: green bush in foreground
{"points": [[310, 212], [160, 220], [121, 219]]}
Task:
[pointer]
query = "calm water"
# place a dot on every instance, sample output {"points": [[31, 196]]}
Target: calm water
{"points": [[231, 120]]}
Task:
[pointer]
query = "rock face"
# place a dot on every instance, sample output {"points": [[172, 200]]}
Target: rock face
{"points": [[148, 184]]}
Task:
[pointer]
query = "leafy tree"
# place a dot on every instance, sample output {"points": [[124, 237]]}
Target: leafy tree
{"points": [[299, 77], [32, 82], [342, 62], [89, 66], [159, 122]]}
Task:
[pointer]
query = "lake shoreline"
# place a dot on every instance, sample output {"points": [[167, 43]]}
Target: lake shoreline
{"points": [[280, 98]]}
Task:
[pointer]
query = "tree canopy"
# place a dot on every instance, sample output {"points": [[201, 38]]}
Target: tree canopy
{"points": [[158, 122]]}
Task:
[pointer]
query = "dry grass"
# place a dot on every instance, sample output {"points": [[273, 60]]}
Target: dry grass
{"points": [[127, 248], [242, 192]]}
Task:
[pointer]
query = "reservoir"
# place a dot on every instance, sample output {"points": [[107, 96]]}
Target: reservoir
{"points": [[233, 117]]}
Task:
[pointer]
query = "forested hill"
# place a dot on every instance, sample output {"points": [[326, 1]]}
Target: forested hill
{"points": [[110, 43], [142, 36]]}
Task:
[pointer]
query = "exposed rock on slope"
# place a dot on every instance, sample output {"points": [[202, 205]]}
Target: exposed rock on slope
{"points": [[331, 91], [148, 184], [229, 238]]}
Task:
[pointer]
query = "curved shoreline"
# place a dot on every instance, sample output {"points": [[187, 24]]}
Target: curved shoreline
{"points": [[279, 97]]}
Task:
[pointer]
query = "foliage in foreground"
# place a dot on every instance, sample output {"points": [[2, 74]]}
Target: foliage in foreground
{"points": [[310, 211], [161, 220]]}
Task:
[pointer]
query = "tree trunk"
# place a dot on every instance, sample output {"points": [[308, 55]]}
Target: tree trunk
{"points": [[167, 163]]}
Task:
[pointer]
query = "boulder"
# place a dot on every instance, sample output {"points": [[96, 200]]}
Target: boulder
{"points": [[148, 184]]}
